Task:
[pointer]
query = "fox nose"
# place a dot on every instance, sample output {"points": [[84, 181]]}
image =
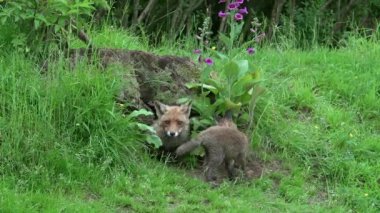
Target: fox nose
{"points": [[172, 134]]}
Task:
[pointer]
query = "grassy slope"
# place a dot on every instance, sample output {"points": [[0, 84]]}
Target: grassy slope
{"points": [[320, 118]]}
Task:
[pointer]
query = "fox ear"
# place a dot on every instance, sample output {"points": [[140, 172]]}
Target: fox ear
{"points": [[160, 108], [186, 108]]}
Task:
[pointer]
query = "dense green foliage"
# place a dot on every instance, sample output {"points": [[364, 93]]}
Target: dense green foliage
{"points": [[65, 145], [307, 22], [313, 21], [40, 23], [231, 85], [51, 124]]}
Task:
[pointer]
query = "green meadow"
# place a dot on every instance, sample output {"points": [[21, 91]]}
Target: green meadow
{"points": [[65, 146]]}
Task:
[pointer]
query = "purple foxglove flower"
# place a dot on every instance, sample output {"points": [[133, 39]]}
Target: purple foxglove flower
{"points": [[251, 50], [243, 10], [222, 14], [239, 1], [233, 6], [197, 51], [238, 17], [222, 1], [209, 61]]}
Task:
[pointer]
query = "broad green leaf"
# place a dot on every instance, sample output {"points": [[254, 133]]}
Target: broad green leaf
{"points": [[202, 123], [245, 83], [217, 84], [238, 28], [231, 70], [242, 85], [137, 113], [144, 127], [155, 140], [243, 67], [256, 75], [253, 70], [244, 98], [201, 101], [232, 105], [203, 106], [235, 31], [225, 40], [205, 93], [192, 85], [219, 102], [224, 104], [202, 86], [183, 100]]}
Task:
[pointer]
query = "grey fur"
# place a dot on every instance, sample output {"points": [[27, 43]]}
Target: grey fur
{"points": [[223, 144]]}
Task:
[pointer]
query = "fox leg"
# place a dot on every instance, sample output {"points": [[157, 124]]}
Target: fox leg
{"points": [[215, 159], [241, 162], [230, 164]]}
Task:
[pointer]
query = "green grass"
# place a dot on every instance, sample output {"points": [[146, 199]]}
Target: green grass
{"points": [[64, 145]]}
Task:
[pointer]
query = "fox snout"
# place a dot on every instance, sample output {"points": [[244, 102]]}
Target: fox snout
{"points": [[172, 133], [173, 121], [173, 129]]}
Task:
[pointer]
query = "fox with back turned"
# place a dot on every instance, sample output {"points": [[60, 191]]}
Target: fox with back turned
{"points": [[223, 143]]}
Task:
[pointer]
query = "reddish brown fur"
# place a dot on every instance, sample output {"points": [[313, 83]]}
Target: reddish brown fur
{"points": [[172, 125]]}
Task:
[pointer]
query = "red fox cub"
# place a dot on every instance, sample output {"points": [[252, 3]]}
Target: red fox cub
{"points": [[223, 143], [172, 125]]}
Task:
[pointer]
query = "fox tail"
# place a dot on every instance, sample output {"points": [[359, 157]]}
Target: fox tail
{"points": [[187, 147]]}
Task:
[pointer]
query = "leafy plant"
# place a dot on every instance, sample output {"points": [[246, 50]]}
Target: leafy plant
{"points": [[47, 21], [151, 136], [233, 82]]}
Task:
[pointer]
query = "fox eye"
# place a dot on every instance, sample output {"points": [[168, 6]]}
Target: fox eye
{"points": [[167, 122], [179, 123]]}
